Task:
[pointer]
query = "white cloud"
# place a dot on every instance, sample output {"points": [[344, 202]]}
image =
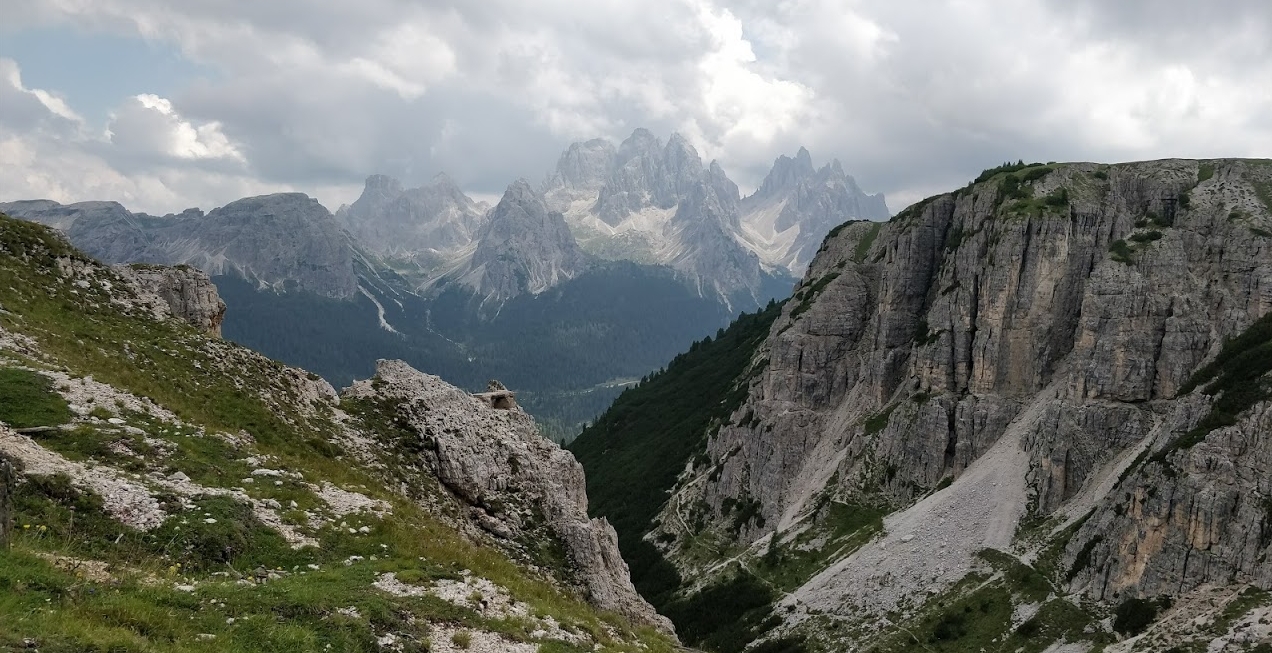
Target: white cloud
{"points": [[148, 125], [914, 98]]}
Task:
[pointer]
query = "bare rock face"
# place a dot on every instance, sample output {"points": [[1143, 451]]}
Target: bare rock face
{"points": [[523, 248], [434, 220], [285, 241], [1065, 307], [188, 293], [518, 486]]}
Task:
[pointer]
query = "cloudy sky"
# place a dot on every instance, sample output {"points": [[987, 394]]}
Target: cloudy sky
{"points": [[164, 105]]}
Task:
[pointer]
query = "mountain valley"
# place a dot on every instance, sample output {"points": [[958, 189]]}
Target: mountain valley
{"points": [[517, 291]]}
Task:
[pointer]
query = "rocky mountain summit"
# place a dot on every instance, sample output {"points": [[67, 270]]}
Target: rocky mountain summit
{"points": [[656, 202], [283, 241], [516, 484], [1032, 412], [522, 248], [787, 217], [173, 491], [428, 225]]}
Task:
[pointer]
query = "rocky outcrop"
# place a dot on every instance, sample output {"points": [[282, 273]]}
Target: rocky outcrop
{"points": [[523, 248], [518, 486], [1065, 305], [188, 293]]}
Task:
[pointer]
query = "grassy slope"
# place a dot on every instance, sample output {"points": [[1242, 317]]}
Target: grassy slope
{"points": [[134, 603]]}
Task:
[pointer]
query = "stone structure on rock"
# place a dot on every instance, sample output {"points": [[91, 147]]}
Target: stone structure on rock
{"points": [[497, 395], [517, 485]]}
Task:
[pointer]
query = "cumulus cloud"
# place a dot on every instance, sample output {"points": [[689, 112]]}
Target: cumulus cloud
{"points": [[913, 99], [148, 125]]}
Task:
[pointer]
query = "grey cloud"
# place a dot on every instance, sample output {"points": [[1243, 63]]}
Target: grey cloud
{"points": [[910, 98]]}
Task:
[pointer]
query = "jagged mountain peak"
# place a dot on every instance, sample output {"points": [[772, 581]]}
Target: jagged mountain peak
{"points": [[787, 173], [641, 140], [520, 191], [427, 225], [523, 247]]}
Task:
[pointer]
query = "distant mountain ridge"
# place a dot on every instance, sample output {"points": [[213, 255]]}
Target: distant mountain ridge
{"points": [[285, 241], [432, 276]]}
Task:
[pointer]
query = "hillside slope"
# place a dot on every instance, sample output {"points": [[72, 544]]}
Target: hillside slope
{"points": [[1026, 414], [177, 492]]}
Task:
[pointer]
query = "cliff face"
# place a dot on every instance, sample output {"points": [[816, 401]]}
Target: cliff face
{"points": [[188, 294], [1031, 331], [286, 240], [517, 485]]}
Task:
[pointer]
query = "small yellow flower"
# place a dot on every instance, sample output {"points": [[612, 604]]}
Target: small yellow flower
{"points": [[26, 526]]}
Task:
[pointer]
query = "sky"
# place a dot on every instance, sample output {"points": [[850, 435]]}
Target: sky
{"points": [[165, 105]]}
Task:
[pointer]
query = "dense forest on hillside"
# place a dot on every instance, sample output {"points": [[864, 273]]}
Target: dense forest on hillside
{"points": [[635, 450], [569, 351]]}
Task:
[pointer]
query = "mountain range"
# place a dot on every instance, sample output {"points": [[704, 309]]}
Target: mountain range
{"points": [[461, 288]]}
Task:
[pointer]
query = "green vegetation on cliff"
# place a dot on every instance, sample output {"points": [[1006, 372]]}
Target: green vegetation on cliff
{"points": [[634, 452]]}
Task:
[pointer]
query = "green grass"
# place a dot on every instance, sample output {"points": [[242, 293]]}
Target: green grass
{"points": [[867, 239], [1205, 171], [843, 528], [879, 421], [1263, 190], [27, 399], [1236, 377], [975, 615], [1121, 252], [213, 386]]}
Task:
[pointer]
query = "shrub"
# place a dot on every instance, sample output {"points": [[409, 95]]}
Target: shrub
{"points": [[462, 638], [1134, 616], [1147, 236], [1121, 252]]}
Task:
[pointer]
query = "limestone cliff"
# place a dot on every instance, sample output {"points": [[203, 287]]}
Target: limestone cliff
{"points": [[518, 485], [1014, 352], [188, 293]]}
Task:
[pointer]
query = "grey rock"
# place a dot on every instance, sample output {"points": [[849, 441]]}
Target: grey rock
{"points": [[797, 205], [910, 347], [284, 241], [188, 293], [523, 248], [656, 203], [516, 484], [428, 223]]}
